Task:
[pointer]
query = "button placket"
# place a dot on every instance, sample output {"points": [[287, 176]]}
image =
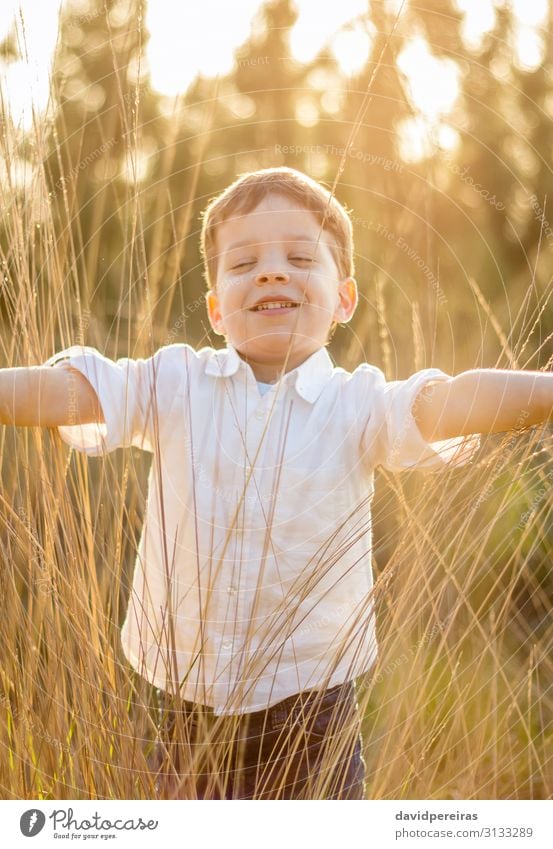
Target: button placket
{"points": [[257, 441], [232, 602]]}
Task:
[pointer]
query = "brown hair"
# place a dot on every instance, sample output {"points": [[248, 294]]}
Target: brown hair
{"points": [[250, 189]]}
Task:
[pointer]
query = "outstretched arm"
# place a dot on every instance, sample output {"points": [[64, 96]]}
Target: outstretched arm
{"points": [[42, 396], [483, 401]]}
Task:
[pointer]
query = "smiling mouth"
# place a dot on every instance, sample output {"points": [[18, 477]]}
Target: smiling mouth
{"points": [[274, 306]]}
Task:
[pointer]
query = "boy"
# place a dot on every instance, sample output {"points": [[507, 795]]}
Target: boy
{"points": [[251, 594]]}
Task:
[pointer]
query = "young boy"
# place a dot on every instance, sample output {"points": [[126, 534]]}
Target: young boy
{"points": [[252, 587]]}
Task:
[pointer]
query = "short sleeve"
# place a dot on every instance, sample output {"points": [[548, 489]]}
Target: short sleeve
{"points": [[135, 396], [392, 438]]}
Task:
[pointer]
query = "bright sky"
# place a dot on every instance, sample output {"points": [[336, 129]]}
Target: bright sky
{"points": [[187, 38], [24, 83]]}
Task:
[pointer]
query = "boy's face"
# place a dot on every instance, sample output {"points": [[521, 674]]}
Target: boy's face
{"points": [[270, 255]]}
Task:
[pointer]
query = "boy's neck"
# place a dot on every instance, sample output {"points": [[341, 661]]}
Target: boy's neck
{"points": [[272, 372]]}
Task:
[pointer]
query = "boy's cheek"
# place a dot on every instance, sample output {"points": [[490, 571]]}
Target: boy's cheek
{"points": [[224, 285]]}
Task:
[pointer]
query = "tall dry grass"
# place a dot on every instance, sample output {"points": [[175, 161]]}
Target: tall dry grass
{"points": [[460, 705]]}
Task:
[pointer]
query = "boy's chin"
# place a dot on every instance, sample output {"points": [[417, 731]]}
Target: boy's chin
{"points": [[277, 349]]}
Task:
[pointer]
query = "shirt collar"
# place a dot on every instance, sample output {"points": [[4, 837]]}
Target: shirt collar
{"points": [[309, 378]]}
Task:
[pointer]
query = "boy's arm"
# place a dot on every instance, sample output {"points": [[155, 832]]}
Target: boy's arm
{"points": [[46, 396], [483, 401]]}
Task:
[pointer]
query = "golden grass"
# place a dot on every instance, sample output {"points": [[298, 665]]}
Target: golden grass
{"points": [[460, 705]]}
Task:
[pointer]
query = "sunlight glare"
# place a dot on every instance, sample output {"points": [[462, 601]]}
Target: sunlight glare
{"points": [[351, 48], [184, 42], [307, 113], [25, 82], [317, 22], [191, 39], [16, 174], [528, 40], [448, 138], [394, 7], [433, 83], [414, 139], [529, 48], [479, 18], [529, 17], [419, 139], [532, 13]]}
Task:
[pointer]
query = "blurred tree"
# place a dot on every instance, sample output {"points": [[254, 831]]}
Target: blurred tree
{"points": [[96, 154]]}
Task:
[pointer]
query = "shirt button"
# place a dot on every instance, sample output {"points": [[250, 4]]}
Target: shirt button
{"points": [[260, 414], [231, 590], [227, 645]]}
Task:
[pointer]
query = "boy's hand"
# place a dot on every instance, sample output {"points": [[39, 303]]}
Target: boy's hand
{"points": [[483, 401], [47, 396]]}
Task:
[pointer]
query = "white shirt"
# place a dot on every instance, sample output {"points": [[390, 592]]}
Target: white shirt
{"points": [[253, 575]]}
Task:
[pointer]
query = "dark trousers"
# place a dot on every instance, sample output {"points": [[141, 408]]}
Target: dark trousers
{"points": [[307, 746]]}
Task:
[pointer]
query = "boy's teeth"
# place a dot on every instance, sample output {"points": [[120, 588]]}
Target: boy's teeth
{"points": [[273, 305]]}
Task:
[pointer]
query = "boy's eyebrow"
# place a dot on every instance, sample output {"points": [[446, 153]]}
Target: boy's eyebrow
{"points": [[247, 242]]}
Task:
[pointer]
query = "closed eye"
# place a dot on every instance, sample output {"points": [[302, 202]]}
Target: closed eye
{"points": [[302, 259], [243, 264]]}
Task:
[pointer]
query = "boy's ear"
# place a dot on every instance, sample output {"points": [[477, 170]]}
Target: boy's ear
{"points": [[213, 312], [347, 293]]}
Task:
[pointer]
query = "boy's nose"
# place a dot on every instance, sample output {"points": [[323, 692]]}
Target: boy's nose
{"points": [[265, 277]]}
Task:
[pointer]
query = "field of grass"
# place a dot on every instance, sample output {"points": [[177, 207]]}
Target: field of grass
{"points": [[460, 704]]}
